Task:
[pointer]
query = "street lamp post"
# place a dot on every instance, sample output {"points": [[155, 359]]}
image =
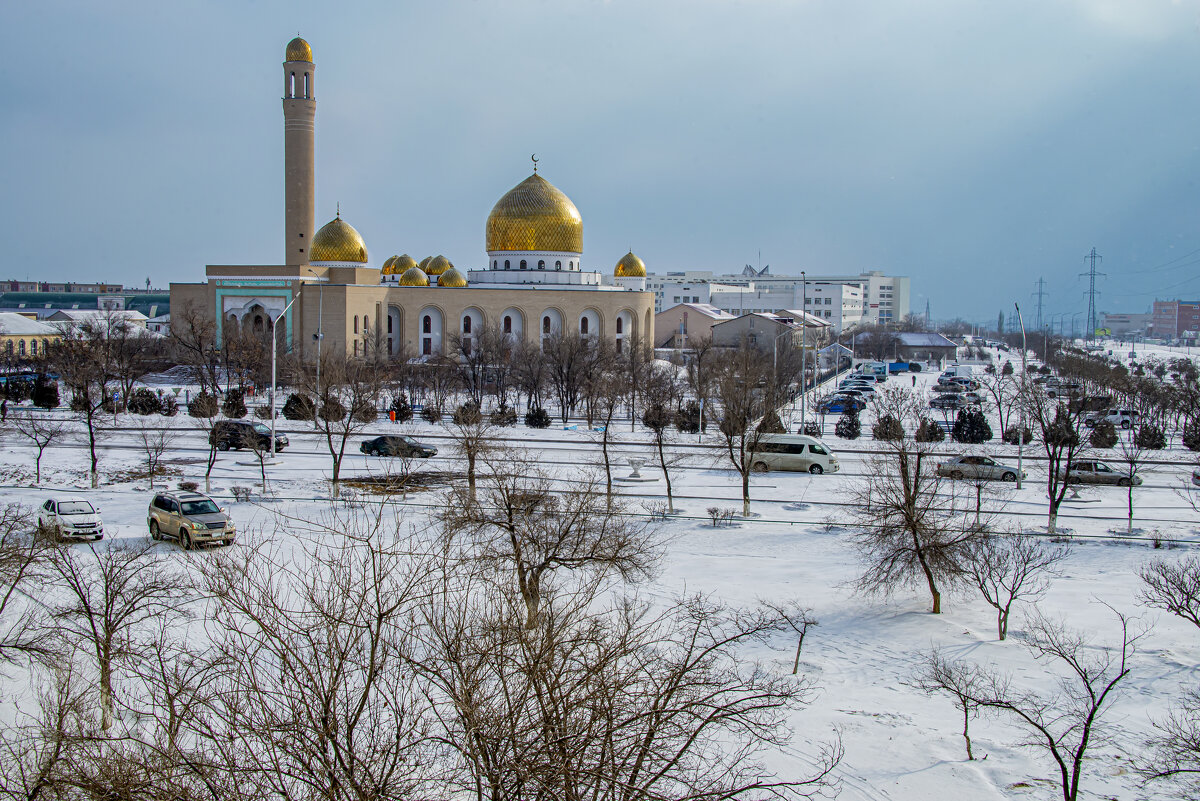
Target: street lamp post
{"points": [[775, 366], [1021, 423], [1073, 316], [274, 352], [803, 348], [320, 335]]}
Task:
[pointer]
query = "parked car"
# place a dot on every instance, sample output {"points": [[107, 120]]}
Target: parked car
{"points": [[796, 452], [963, 381], [973, 398], [946, 402], [949, 388], [836, 405], [189, 518], [1063, 388], [867, 392], [70, 518], [1196, 476], [1121, 418], [1091, 471], [238, 434], [980, 467], [396, 445]]}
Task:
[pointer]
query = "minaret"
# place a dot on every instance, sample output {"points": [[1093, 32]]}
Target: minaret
{"points": [[299, 172]]}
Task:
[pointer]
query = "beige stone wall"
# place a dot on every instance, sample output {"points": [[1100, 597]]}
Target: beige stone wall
{"points": [[666, 325]]}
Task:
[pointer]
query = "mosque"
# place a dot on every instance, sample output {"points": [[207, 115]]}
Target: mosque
{"points": [[534, 284]]}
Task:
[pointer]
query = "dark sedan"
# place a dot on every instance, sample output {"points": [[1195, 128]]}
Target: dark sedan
{"points": [[397, 445]]}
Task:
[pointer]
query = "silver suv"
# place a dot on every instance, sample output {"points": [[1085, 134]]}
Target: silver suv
{"points": [[190, 518]]}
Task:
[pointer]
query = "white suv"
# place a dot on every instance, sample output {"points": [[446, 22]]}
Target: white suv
{"points": [[1121, 418]]}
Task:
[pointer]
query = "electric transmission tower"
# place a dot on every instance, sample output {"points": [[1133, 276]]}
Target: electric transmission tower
{"points": [[1040, 295], [1091, 293]]}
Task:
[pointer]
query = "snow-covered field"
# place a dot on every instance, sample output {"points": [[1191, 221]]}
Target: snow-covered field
{"points": [[899, 743]]}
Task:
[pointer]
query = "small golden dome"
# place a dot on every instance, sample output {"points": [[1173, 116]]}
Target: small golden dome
{"points": [[298, 50], [437, 265], [402, 264], [452, 277], [388, 267], [414, 277], [338, 241], [535, 216], [630, 266], [425, 262]]}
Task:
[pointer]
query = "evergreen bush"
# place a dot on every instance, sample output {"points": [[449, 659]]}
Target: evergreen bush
{"points": [[1151, 437], [1012, 432], [888, 428], [929, 431], [203, 405], [234, 405], [771, 424], [144, 402], [502, 417], [169, 406], [401, 408], [848, 425], [431, 414], [468, 414], [971, 427], [333, 411], [687, 419], [45, 392], [1191, 434], [537, 418], [263, 412], [299, 407], [1104, 435]]}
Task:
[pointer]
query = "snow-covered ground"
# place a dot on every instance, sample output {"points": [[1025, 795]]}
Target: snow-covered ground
{"points": [[899, 743]]}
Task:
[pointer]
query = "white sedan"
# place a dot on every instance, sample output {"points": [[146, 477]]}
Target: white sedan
{"points": [[70, 518]]}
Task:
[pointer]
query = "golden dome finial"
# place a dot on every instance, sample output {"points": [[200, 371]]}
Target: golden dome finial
{"points": [[298, 50]]}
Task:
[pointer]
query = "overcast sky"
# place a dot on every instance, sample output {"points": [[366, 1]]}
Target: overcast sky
{"points": [[974, 146]]}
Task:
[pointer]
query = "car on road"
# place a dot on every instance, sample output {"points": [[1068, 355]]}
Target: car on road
{"points": [[949, 388], [189, 518], [1092, 471], [978, 467], [70, 518], [963, 381], [840, 405], [795, 452], [238, 434], [1121, 418], [396, 445]]}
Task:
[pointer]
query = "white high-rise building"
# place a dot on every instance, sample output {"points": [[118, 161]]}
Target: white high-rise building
{"points": [[869, 298]]}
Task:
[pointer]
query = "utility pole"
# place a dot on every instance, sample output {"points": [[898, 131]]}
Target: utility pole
{"points": [[927, 312], [1040, 295], [1091, 273]]}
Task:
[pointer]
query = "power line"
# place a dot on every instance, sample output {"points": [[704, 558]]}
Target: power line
{"points": [[1091, 293]]}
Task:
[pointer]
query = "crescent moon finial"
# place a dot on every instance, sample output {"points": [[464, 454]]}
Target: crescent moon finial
{"points": [[534, 158]]}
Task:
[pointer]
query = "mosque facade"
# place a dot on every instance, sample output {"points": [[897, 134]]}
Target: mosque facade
{"points": [[329, 293]]}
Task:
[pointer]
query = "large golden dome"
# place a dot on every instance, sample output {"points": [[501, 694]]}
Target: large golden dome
{"points": [[630, 266], [298, 50], [338, 241], [437, 265], [414, 277], [535, 216], [452, 278], [402, 264]]}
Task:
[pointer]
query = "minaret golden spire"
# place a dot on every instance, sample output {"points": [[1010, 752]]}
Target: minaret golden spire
{"points": [[535, 161]]}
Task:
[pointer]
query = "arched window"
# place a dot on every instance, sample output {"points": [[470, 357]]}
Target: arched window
{"points": [[558, 265], [356, 325], [507, 265], [258, 323], [21, 348], [306, 84], [507, 324], [466, 324], [541, 264], [292, 86], [427, 325], [8, 347], [523, 264], [365, 326], [571, 265], [545, 326], [33, 347], [45, 345], [620, 325], [356, 347], [495, 263], [583, 325]]}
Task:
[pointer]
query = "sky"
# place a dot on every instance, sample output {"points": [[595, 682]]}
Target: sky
{"points": [[973, 145]]}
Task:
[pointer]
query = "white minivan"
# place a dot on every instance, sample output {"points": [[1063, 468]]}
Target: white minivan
{"points": [[797, 452]]}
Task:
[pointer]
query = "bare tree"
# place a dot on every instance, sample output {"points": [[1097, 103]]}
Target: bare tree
{"points": [[84, 362], [21, 561], [701, 374], [472, 434], [661, 393], [1173, 587], [154, 440], [610, 394], [1134, 455], [1061, 439], [317, 696], [347, 403], [1175, 748], [1006, 568], [42, 430], [568, 358], [523, 529], [1062, 723], [905, 536], [194, 337], [104, 596], [741, 388], [961, 680], [614, 703]]}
